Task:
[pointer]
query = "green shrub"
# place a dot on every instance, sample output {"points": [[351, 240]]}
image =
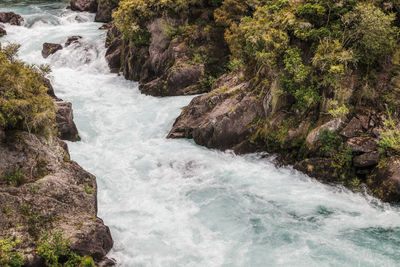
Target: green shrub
{"points": [[390, 135], [9, 257], [24, 103], [15, 177], [56, 253]]}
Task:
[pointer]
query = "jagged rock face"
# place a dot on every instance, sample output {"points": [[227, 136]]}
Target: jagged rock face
{"points": [[104, 11], [84, 5], [11, 18], [56, 194], [164, 67], [65, 122], [50, 48], [220, 120]]}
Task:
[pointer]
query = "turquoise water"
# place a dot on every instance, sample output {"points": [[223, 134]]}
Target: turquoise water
{"points": [[173, 203]]}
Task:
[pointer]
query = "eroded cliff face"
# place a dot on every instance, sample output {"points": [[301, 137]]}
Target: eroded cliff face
{"points": [[233, 116], [169, 64], [43, 190]]}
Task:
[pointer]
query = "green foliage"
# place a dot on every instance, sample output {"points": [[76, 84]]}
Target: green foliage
{"points": [[329, 142], [24, 103], [9, 257], [132, 15], [390, 135], [371, 32], [14, 177], [56, 253]]}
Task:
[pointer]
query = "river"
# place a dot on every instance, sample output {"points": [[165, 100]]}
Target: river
{"points": [[173, 203]]}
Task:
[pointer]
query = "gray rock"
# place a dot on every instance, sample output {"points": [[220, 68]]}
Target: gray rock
{"points": [[362, 144], [65, 122], [220, 120], [84, 5], [72, 40], [11, 18], [354, 128], [104, 11], [313, 137], [367, 159], [50, 48], [55, 191]]}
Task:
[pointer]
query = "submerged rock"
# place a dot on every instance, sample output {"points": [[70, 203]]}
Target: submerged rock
{"points": [[11, 18], [72, 40], [362, 144], [65, 122], [84, 5], [50, 48]]}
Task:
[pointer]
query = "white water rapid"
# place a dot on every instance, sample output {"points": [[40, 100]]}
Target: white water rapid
{"points": [[173, 203]]}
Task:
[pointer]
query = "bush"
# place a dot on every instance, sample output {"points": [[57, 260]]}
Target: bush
{"points": [[55, 252], [390, 135], [15, 177], [24, 103], [9, 257]]}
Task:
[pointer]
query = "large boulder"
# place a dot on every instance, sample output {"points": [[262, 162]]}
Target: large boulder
{"points": [[221, 119], [84, 5], [50, 48], [11, 18], [65, 122]]}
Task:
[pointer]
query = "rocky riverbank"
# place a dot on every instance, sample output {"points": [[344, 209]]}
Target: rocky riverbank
{"points": [[48, 202], [338, 133]]}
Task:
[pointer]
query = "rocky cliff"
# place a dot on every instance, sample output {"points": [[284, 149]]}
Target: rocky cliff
{"points": [[304, 80], [48, 203]]}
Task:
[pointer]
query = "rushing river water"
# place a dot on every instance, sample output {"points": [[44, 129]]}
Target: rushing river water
{"points": [[173, 203]]}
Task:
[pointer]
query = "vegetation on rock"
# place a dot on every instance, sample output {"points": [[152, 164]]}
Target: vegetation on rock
{"points": [[24, 102]]}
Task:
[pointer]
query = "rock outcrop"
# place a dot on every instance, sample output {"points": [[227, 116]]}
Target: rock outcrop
{"points": [[50, 48], [221, 119], [84, 5], [65, 122], [41, 189], [167, 66], [11, 18]]}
